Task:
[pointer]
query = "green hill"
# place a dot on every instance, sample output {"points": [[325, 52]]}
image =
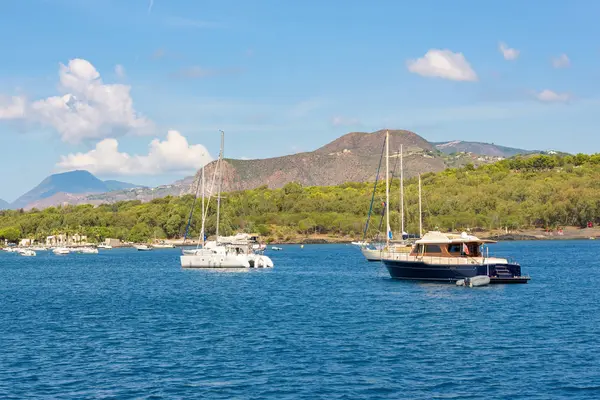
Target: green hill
{"points": [[523, 192]]}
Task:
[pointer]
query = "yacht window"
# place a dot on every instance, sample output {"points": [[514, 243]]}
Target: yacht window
{"points": [[454, 248], [432, 248]]}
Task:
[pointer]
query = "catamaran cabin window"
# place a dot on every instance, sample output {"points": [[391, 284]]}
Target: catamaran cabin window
{"points": [[433, 248]]}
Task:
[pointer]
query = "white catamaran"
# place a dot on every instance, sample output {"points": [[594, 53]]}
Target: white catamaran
{"points": [[222, 252]]}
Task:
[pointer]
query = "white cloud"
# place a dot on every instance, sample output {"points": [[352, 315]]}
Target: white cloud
{"points": [[174, 154], [120, 71], [549, 96], [86, 109], [12, 108], [507, 52], [561, 61], [443, 64]]}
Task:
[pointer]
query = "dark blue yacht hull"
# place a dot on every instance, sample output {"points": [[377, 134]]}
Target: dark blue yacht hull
{"points": [[414, 270]]}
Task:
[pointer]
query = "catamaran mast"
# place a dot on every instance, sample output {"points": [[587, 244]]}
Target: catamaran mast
{"points": [[401, 192], [203, 215], [387, 186], [420, 210], [220, 181]]}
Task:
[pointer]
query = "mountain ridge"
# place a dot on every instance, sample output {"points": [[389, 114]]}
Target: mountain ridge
{"points": [[73, 183], [351, 157], [480, 148]]}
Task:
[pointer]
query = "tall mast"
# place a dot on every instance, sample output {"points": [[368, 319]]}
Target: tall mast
{"points": [[401, 191], [387, 186], [203, 213], [420, 210], [220, 166]]}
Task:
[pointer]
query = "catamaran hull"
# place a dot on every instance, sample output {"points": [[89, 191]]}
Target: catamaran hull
{"points": [[202, 261], [420, 271]]}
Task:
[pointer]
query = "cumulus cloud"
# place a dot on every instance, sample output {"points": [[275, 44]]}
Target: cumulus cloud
{"points": [[561, 61], [507, 52], [174, 154], [548, 96], [86, 109], [443, 64], [12, 107]]}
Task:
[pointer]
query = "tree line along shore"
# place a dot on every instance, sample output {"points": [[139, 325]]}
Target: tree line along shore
{"points": [[543, 194]]}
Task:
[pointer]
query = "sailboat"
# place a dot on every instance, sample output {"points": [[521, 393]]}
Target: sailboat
{"points": [[373, 252], [218, 253]]}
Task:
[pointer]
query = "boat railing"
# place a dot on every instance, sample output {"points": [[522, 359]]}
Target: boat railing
{"points": [[433, 259]]}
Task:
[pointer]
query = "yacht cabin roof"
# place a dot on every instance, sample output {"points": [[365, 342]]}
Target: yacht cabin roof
{"points": [[436, 237]]}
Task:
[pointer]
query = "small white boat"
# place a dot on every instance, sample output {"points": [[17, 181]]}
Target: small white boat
{"points": [[142, 247], [275, 248], [163, 246], [474, 281], [360, 244], [61, 251], [27, 253], [104, 246], [87, 250]]}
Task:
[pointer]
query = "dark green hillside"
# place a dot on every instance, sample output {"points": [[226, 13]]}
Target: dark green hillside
{"points": [[533, 191]]}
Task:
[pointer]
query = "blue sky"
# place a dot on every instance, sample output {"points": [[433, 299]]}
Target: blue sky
{"points": [[282, 77]]}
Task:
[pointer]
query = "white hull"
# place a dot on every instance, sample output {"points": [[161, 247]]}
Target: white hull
{"points": [[214, 261], [61, 251], [259, 261], [87, 250], [371, 254]]}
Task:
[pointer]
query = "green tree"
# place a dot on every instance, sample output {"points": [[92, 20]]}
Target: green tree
{"points": [[11, 233], [140, 233]]}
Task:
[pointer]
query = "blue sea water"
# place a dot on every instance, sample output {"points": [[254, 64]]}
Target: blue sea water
{"points": [[323, 323]]}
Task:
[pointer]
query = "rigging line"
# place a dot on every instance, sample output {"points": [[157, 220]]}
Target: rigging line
{"points": [[212, 185], [187, 228], [383, 212], [373, 195]]}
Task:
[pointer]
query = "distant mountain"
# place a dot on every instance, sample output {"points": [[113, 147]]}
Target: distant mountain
{"points": [[4, 205], [68, 184], [484, 149], [353, 157]]}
